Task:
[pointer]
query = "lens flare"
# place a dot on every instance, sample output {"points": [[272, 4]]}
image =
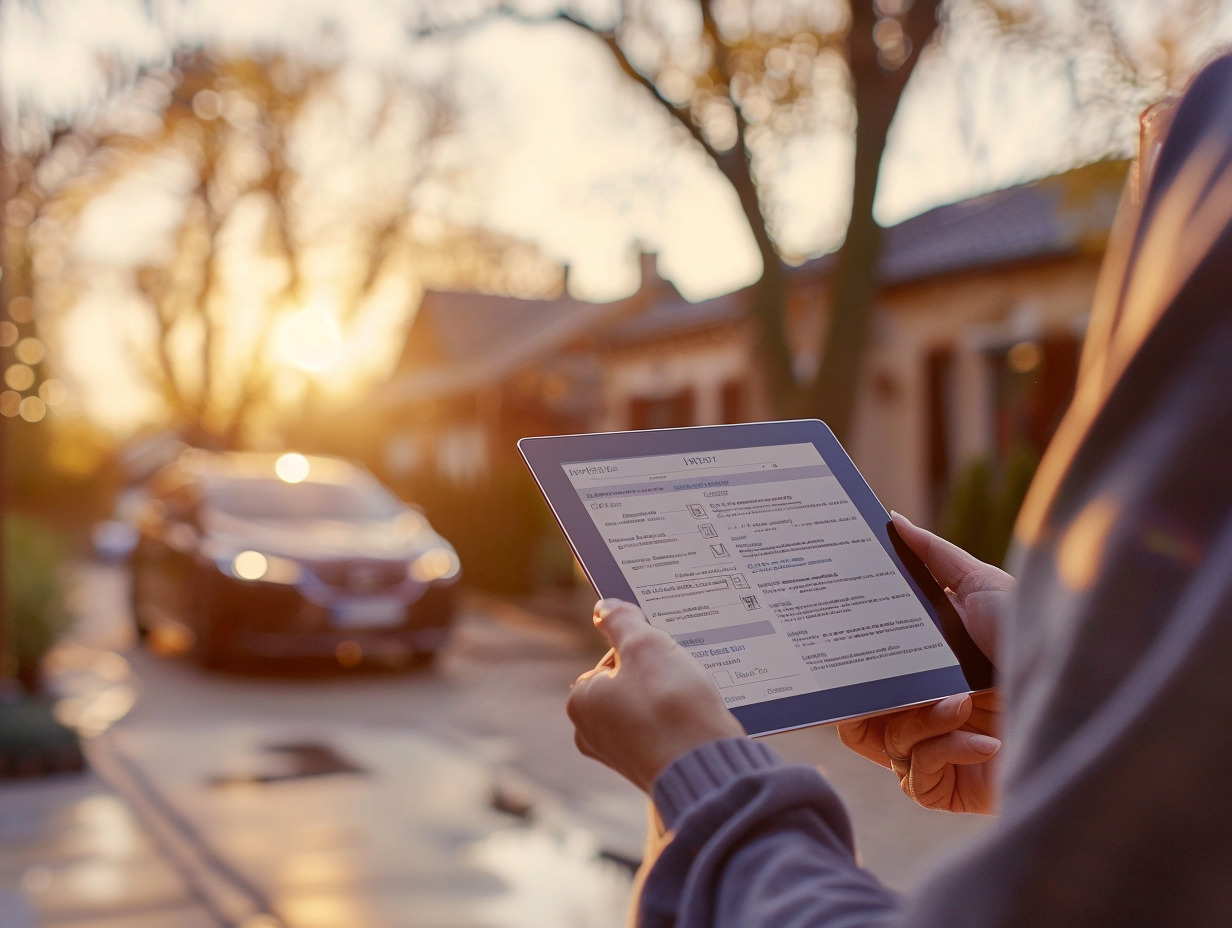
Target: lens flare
{"points": [[250, 565], [292, 468]]}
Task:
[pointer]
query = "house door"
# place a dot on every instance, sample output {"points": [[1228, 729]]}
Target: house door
{"points": [[666, 412]]}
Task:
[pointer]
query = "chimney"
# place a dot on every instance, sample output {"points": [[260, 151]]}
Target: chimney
{"points": [[649, 265]]}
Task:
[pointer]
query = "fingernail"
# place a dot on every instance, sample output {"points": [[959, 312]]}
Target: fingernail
{"points": [[604, 607], [984, 744], [899, 517]]}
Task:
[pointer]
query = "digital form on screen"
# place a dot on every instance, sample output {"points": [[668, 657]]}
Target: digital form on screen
{"points": [[757, 561]]}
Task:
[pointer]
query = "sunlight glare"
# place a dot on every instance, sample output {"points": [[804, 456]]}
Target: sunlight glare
{"points": [[292, 468], [312, 339]]}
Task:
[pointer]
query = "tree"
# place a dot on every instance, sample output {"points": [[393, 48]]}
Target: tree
{"points": [[289, 251], [742, 78], [1116, 58]]}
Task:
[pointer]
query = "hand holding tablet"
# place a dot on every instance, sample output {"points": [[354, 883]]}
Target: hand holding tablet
{"points": [[760, 549]]}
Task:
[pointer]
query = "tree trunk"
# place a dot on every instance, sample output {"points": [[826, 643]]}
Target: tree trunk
{"points": [[768, 306], [853, 286]]}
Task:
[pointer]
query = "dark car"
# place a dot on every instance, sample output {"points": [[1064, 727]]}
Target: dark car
{"points": [[289, 556]]}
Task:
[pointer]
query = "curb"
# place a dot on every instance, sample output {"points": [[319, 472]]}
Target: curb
{"points": [[226, 895]]}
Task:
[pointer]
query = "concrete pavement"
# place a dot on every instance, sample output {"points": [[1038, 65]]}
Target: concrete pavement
{"points": [[197, 815], [448, 798], [406, 835], [73, 853]]}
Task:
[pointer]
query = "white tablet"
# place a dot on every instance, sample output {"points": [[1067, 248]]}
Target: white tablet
{"points": [[761, 549]]}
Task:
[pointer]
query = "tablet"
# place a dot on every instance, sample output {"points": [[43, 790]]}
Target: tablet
{"points": [[762, 550]]}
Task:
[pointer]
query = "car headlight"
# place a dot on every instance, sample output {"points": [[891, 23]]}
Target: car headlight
{"points": [[269, 568], [434, 564]]}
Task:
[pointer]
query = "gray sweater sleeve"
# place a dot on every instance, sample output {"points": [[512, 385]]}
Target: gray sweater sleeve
{"points": [[752, 842]]}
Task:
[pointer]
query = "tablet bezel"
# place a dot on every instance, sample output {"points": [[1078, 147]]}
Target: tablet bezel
{"points": [[547, 455]]}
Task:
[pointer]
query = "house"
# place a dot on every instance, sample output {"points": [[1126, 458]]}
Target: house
{"points": [[479, 371], [980, 313]]}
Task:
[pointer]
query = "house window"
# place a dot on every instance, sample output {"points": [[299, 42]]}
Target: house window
{"points": [[666, 412], [461, 453], [1033, 383], [1029, 383], [941, 423], [733, 401]]}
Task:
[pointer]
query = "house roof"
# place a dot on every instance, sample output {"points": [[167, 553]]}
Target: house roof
{"points": [[669, 316], [1066, 214], [460, 340], [1061, 215]]}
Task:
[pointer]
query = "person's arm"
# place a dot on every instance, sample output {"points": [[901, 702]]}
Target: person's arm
{"points": [[751, 841], [730, 808], [651, 713]]}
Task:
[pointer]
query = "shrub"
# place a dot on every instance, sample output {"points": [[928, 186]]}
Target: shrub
{"points": [[502, 530], [34, 594], [982, 505]]}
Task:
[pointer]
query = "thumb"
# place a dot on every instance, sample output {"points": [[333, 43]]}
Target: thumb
{"points": [[947, 562], [620, 622]]}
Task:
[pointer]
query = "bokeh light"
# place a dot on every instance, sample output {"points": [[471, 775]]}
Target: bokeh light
{"points": [[32, 409], [434, 564], [30, 351], [349, 653], [21, 309], [8, 334], [19, 377], [52, 391], [250, 565], [10, 403], [1024, 357], [292, 468], [207, 104]]}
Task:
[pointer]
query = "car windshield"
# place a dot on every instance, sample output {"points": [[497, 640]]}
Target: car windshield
{"points": [[275, 500]]}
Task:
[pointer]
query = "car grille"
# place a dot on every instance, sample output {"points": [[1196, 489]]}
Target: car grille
{"points": [[361, 576]]}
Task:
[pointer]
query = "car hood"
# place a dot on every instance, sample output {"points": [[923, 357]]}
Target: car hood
{"points": [[320, 540]]}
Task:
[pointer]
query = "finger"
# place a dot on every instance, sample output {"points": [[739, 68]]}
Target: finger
{"points": [[983, 721], [580, 696], [930, 758], [583, 677], [905, 731], [580, 742], [867, 738], [947, 562], [620, 622], [608, 661], [987, 701]]}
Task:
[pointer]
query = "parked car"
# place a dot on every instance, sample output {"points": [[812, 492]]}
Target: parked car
{"points": [[286, 556]]}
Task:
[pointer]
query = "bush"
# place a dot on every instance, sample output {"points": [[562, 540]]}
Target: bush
{"points": [[34, 594], [502, 529], [981, 509]]}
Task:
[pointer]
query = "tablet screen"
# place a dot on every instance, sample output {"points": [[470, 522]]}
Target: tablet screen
{"points": [[757, 561]]}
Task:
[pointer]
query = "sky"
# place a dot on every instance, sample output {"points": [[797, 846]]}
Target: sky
{"points": [[573, 157]]}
